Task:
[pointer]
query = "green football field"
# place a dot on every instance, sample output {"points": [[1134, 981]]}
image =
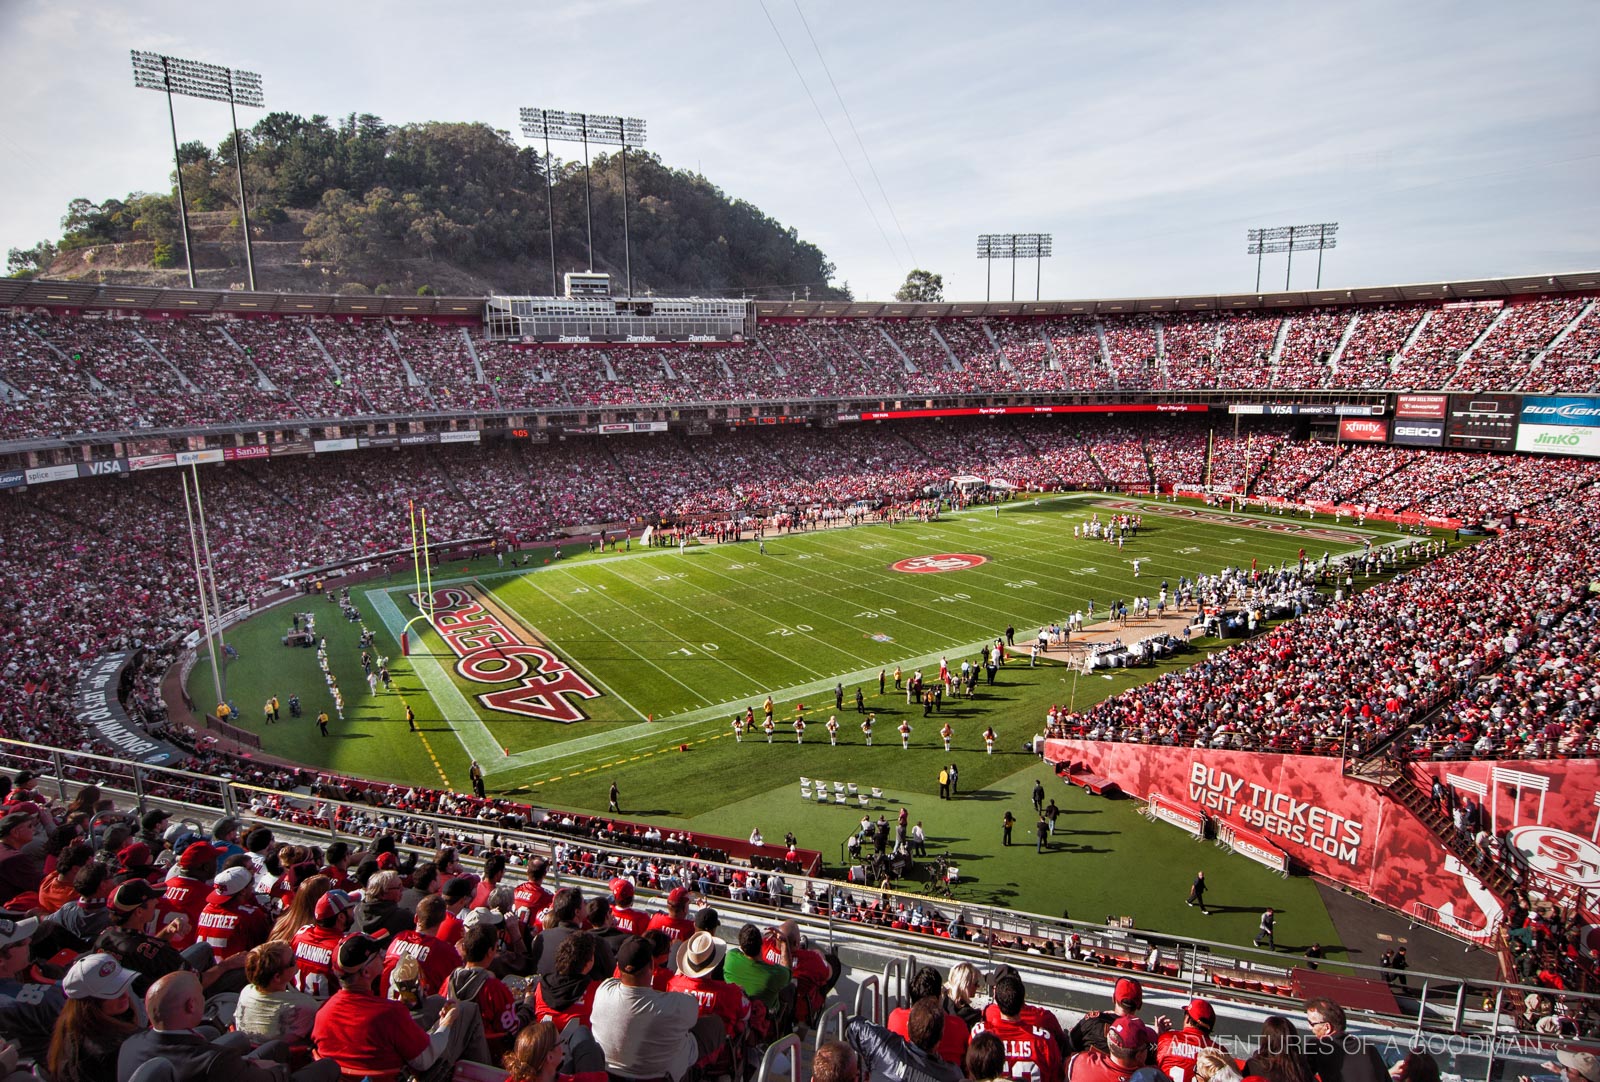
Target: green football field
{"points": [[547, 674]]}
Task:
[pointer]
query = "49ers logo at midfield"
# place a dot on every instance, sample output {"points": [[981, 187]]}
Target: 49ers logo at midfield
{"points": [[944, 561], [490, 650]]}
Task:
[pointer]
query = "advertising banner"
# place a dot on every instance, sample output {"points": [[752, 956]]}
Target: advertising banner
{"points": [[1422, 407], [1255, 410], [1363, 431], [254, 450], [377, 441], [1335, 826], [103, 467], [1577, 410], [153, 462], [292, 447], [1560, 439], [321, 446], [460, 437], [13, 478], [95, 702], [199, 458], [419, 439], [41, 474], [1247, 843], [1014, 411], [1170, 811], [1417, 433]]}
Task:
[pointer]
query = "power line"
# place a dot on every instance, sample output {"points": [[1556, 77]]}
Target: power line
{"points": [[825, 127], [851, 121]]}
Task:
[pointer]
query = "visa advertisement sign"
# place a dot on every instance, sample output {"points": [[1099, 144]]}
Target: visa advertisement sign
{"points": [[1560, 425]]}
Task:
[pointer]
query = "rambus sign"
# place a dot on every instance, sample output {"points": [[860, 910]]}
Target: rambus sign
{"points": [[944, 561], [490, 649]]}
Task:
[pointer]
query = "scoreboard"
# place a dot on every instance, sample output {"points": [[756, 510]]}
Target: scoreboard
{"points": [[1482, 422]]}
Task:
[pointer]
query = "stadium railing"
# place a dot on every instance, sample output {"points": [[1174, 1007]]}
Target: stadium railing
{"points": [[1173, 968]]}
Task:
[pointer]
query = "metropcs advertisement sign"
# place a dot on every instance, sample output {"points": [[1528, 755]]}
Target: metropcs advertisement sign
{"points": [[1560, 425]]}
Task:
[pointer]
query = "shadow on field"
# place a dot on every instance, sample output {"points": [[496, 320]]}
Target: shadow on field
{"points": [[354, 736], [986, 795]]}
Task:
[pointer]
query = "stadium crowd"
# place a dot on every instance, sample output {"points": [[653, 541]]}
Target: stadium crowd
{"points": [[70, 374]]}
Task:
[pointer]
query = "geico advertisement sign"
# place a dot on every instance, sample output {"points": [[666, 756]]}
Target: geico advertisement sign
{"points": [[1559, 440], [1418, 433]]}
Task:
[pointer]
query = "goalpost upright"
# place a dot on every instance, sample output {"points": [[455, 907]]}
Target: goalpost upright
{"points": [[422, 571]]}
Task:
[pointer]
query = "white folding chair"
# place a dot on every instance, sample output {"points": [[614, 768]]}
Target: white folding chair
{"points": [[805, 783], [822, 796], [877, 794], [853, 790], [863, 798], [805, 792], [838, 786], [840, 798]]}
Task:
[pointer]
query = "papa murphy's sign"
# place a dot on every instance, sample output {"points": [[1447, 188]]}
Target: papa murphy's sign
{"points": [[1335, 826], [1363, 430], [1560, 425]]}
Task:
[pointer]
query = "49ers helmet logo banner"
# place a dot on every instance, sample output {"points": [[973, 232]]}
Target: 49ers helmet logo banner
{"points": [[944, 561]]}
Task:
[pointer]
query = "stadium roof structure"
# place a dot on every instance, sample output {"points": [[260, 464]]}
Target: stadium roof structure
{"points": [[53, 293]]}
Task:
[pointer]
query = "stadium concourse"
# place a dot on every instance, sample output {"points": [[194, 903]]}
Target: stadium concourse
{"points": [[1484, 656]]}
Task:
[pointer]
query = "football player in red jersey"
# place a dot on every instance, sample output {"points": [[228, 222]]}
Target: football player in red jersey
{"points": [[1033, 1051]]}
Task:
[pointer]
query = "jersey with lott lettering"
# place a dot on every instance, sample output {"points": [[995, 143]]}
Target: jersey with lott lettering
{"points": [[631, 921], [186, 896]]}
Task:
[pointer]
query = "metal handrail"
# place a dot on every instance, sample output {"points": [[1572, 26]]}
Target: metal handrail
{"points": [[788, 1046], [836, 1013], [869, 999]]}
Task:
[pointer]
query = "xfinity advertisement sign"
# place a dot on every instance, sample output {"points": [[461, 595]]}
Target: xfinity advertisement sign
{"points": [[1560, 425]]}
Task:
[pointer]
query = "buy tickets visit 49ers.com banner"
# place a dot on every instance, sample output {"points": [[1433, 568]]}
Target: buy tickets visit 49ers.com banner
{"points": [[1355, 834]]}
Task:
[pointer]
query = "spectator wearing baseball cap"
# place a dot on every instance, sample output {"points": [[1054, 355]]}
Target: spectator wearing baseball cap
{"points": [[98, 1017], [21, 866], [1127, 1000], [1575, 1066], [152, 825], [133, 907], [225, 836], [316, 944], [233, 920], [31, 1012], [630, 921], [369, 1036], [1129, 1043], [188, 886], [646, 1033], [1176, 1049], [674, 923], [457, 900]]}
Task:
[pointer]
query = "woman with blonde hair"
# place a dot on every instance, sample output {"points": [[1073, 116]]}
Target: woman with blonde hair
{"points": [[269, 1008], [536, 1057], [302, 909], [959, 988]]}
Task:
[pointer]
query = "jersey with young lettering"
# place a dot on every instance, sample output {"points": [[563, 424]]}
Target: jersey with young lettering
{"points": [[436, 958], [1032, 1054], [630, 921], [528, 901], [186, 896], [1176, 1051], [313, 960], [232, 926]]}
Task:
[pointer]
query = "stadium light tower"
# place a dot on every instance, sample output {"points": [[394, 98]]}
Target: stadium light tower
{"points": [[590, 128], [1319, 236], [198, 79], [1035, 246], [993, 246]]}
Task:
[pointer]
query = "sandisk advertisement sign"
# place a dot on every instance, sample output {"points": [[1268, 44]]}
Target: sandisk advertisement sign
{"points": [[1418, 433], [1422, 407], [1363, 430]]}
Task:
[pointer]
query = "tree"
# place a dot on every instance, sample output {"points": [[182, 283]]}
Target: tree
{"points": [[921, 285], [27, 262]]}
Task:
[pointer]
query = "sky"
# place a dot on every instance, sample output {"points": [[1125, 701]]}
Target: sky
{"points": [[1450, 140]]}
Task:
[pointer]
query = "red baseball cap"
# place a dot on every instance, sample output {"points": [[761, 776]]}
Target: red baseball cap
{"points": [[1201, 1013], [622, 891], [1128, 991], [677, 896], [1129, 1033]]}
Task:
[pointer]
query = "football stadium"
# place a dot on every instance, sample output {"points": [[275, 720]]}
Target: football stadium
{"points": [[647, 678]]}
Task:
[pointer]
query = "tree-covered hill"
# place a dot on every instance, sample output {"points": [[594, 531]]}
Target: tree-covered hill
{"points": [[361, 205]]}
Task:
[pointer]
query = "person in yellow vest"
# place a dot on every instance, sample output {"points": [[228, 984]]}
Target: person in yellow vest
{"points": [[224, 711]]}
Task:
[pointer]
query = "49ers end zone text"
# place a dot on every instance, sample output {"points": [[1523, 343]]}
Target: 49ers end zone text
{"points": [[944, 561], [490, 649]]}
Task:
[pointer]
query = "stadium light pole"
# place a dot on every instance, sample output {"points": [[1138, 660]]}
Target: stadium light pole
{"points": [[534, 126], [623, 131], [991, 246], [1031, 245], [213, 82], [1318, 237]]}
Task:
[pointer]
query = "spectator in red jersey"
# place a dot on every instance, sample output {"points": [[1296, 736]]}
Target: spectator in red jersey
{"points": [[1176, 1049], [187, 888], [472, 982], [375, 1038], [700, 975], [1128, 1043], [1032, 1050], [568, 993], [338, 858], [1127, 1000], [953, 1039], [494, 868], [315, 945], [57, 890], [814, 974], [435, 958], [530, 898], [630, 921], [232, 921], [905, 1059], [153, 957], [674, 923]]}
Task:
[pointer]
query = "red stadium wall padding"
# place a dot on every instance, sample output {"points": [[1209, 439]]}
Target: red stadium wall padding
{"points": [[1353, 833]]}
